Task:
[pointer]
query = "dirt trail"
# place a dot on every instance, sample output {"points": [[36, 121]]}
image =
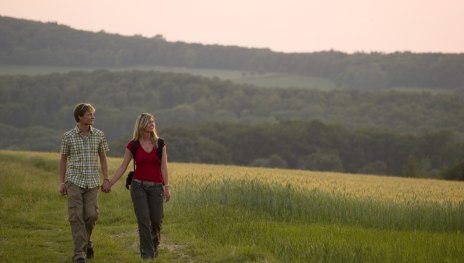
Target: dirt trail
{"points": [[178, 251]]}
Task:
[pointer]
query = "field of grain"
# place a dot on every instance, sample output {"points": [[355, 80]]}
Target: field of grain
{"points": [[240, 214], [380, 188]]}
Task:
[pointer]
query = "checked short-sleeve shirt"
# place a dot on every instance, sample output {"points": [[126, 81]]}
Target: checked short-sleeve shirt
{"points": [[82, 165]]}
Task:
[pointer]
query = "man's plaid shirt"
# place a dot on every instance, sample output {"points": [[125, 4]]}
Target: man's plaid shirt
{"points": [[82, 165]]}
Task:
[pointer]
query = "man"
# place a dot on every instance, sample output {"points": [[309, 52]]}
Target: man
{"points": [[81, 148]]}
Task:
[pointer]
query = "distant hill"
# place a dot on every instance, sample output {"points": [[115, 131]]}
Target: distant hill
{"points": [[208, 120], [26, 42], [346, 112]]}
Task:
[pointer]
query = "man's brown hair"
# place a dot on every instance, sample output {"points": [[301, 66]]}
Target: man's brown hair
{"points": [[81, 109]]}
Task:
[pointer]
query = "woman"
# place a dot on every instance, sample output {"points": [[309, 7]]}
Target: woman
{"points": [[150, 184]]}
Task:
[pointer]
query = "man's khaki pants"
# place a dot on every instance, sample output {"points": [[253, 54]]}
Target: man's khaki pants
{"points": [[82, 215]]}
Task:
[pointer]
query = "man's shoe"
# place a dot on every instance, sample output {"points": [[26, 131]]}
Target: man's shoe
{"points": [[79, 260], [89, 253]]}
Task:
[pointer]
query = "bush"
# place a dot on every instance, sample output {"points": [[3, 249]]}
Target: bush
{"points": [[455, 172]]}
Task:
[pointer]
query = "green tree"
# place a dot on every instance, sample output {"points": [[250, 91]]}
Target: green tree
{"points": [[455, 172], [274, 161], [322, 162], [412, 167]]}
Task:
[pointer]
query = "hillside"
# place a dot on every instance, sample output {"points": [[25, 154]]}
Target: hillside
{"points": [[26, 42], [380, 132], [266, 80]]}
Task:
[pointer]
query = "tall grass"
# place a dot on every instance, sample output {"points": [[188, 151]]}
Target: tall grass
{"points": [[273, 215], [238, 214], [290, 204]]}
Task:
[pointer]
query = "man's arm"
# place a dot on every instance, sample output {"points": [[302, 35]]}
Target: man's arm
{"points": [[104, 165], [63, 162]]}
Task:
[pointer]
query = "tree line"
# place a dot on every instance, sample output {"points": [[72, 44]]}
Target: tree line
{"points": [[316, 146], [182, 99], [26, 42], [214, 121]]}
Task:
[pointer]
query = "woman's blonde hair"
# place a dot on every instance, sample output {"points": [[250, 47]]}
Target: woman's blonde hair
{"points": [[139, 128]]}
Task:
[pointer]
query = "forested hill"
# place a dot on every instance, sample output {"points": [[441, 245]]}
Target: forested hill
{"points": [[213, 121], [26, 42]]}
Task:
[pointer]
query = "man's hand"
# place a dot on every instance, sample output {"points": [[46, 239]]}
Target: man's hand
{"points": [[63, 189], [106, 186]]}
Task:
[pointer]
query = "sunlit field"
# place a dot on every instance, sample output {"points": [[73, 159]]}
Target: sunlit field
{"points": [[240, 214], [379, 188]]}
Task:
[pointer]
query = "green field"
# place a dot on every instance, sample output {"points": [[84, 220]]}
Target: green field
{"points": [[271, 80], [240, 214], [267, 80]]}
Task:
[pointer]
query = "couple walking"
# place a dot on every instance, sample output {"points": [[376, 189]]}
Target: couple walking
{"points": [[81, 150]]}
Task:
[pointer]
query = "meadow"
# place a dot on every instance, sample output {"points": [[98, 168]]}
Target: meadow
{"points": [[240, 214], [258, 79], [264, 79]]}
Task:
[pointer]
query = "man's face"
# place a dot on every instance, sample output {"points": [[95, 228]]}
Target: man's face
{"points": [[88, 118]]}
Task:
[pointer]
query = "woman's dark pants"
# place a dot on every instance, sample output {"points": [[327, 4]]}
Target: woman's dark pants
{"points": [[148, 201]]}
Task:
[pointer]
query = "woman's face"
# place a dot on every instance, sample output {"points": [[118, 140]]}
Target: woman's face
{"points": [[150, 125]]}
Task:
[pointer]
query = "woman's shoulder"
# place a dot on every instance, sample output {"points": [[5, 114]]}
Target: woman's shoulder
{"points": [[130, 144]]}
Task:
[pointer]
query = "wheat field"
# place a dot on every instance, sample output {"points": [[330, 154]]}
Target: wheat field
{"points": [[240, 214], [381, 188]]}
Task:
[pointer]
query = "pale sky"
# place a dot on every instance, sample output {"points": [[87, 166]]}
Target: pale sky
{"points": [[281, 25]]}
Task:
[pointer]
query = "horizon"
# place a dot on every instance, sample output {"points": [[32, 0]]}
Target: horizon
{"points": [[293, 26]]}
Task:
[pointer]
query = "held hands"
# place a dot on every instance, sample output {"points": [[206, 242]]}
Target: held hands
{"points": [[106, 186]]}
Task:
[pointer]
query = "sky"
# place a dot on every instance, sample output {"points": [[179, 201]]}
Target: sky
{"points": [[281, 25]]}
